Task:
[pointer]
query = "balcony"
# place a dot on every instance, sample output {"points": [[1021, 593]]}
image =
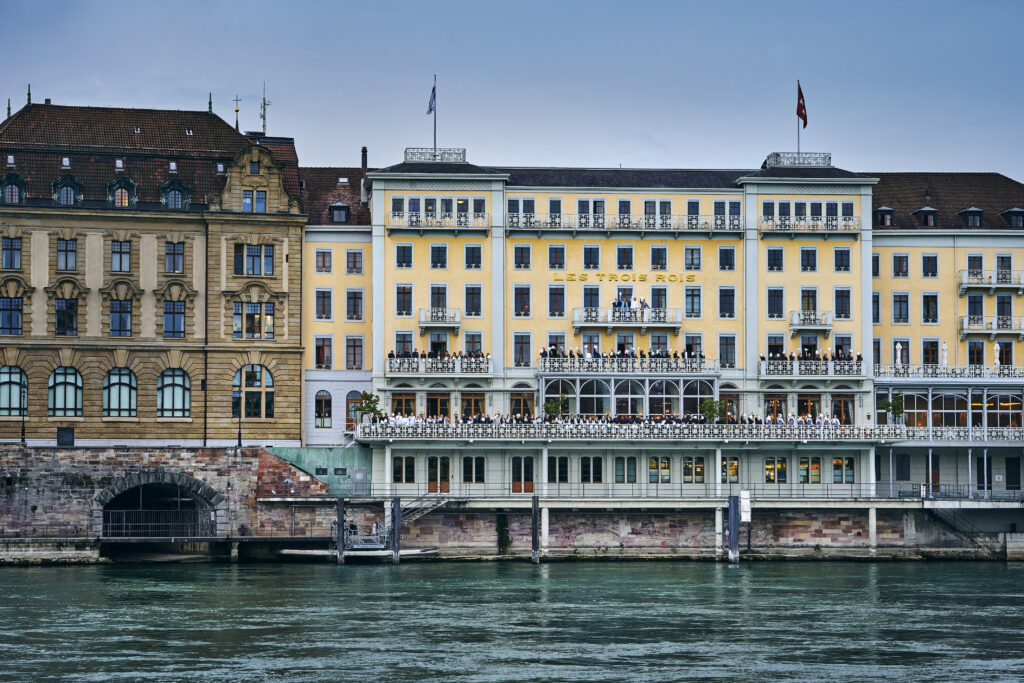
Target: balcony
{"points": [[440, 318], [631, 222], [805, 224], [991, 280], [647, 431], [984, 434], [811, 368], [425, 222], [440, 366], [617, 318], [992, 325], [903, 371], [810, 321], [626, 366]]}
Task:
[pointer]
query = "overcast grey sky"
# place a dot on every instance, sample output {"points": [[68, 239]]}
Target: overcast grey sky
{"points": [[893, 86]]}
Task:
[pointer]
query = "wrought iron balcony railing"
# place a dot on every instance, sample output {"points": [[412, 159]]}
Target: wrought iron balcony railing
{"points": [[627, 317], [820, 368], [809, 223], [992, 325], [399, 219], [440, 366], [991, 280], [642, 222], [599, 366], [906, 371]]}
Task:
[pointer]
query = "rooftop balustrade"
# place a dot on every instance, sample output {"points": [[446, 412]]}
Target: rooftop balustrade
{"points": [[799, 159]]}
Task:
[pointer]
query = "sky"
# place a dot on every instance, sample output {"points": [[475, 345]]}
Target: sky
{"points": [[889, 86]]}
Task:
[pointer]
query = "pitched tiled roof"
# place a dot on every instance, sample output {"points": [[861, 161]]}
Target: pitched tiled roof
{"points": [[804, 172], [948, 194], [461, 168], [283, 150], [323, 189], [110, 129]]}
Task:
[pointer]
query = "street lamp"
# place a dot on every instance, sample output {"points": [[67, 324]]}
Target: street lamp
{"points": [[24, 408], [238, 395]]}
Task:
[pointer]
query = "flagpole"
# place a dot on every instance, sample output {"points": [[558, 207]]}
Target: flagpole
{"points": [[798, 124], [435, 117]]}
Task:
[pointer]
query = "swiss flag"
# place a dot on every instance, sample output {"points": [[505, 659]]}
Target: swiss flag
{"points": [[801, 106]]}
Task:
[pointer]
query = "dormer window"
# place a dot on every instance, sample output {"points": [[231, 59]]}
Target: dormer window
{"points": [[118, 164], [66, 196], [172, 167], [10, 160], [12, 189], [67, 190], [174, 199], [339, 213], [342, 180], [65, 162], [121, 192], [188, 131], [1014, 217], [174, 195], [254, 168], [926, 216], [971, 217], [121, 197], [220, 169], [884, 214]]}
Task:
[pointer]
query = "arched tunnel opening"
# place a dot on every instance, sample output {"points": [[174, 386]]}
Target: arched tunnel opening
{"points": [[158, 511]]}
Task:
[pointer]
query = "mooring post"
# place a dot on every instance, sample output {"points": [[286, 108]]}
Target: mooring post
{"points": [[396, 528], [734, 529], [535, 530], [340, 540]]}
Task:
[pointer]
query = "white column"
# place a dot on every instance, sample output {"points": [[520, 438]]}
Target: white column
{"points": [[544, 526], [385, 469], [970, 480], [872, 475], [928, 474], [866, 282], [751, 243], [718, 530], [717, 474], [544, 473], [498, 340], [891, 492], [872, 528], [984, 471]]}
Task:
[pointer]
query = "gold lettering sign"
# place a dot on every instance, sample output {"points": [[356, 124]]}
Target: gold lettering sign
{"points": [[625, 277]]}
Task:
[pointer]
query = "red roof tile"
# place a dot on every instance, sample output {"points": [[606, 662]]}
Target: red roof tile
{"points": [[323, 189], [948, 193]]}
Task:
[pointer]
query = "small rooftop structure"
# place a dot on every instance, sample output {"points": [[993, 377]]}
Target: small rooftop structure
{"points": [[798, 159], [447, 155]]}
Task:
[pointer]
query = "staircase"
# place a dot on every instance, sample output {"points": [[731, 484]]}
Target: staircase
{"points": [[426, 503], [959, 525]]}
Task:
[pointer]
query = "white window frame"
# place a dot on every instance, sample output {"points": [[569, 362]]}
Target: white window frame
{"points": [[817, 297], [323, 250], [584, 257], [529, 288], [835, 290], [892, 264], [892, 304], [465, 305], [412, 299], [651, 255], [565, 302], [465, 338], [923, 256], [412, 254], [700, 257], [447, 255], [735, 302], [849, 258], [362, 261], [767, 259], [362, 338], [329, 337], [362, 307], [700, 290], [811, 249], [910, 352], [330, 316], [727, 247], [632, 256], [877, 293], [529, 251], [767, 298], [565, 253], [718, 346], [938, 307], [394, 339], [465, 262]]}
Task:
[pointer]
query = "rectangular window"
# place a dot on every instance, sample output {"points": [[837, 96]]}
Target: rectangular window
{"points": [[975, 306], [323, 355], [810, 469], [558, 470], [691, 258], [768, 209], [591, 257], [354, 262], [842, 304], [901, 467], [692, 302], [521, 256], [353, 353], [259, 202], [556, 257], [12, 253], [353, 304], [775, 344], [247, 201], [727, 303], [659, 258], [727, 351], [590, 469], [901, 307], [624, 257], [929, 352], [591, 296], [438, 296], [324, 308], [521, 300], [474, 307], [929, 265], [625, 469], [808, 299], [323, 260], [842, 259], [775, 470], [253, 321], [930, 309], [775, 255], [659, 297], [174, 257], [900, 265], [403, 256], [403, 300], [876, 314], [120, 317], [472, 468], [473, 256], [236, 320], [174, 319], [659, 470], [776, 303], [66, 323], [975, 353], [693, 344], [474, 344], [521, 356], [727, 258], [808, 259], [842, 470], [120, 256], [10, 315], [556, 301], [403, 342], [438, 256], [874, 265]]}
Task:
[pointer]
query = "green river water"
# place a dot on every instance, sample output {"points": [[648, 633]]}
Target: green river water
{"points": [[512, 620]]}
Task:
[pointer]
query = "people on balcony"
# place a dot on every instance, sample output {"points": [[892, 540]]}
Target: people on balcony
{"points": [[806, 355], [627, 352], [443, 355], [792, 420]]}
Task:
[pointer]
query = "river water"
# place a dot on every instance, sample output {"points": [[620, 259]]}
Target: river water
{"points": [[511, 620]]}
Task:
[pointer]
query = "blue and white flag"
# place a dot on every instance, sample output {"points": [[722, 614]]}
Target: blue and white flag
{"points": [[433, 95]]}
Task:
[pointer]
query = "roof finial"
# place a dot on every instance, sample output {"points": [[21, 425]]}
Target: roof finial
{"points": [[209, 106], [30, 93], [237, 100]]}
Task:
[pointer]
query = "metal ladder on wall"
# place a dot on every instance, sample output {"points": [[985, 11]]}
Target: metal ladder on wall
{"points": [[425, 504]]}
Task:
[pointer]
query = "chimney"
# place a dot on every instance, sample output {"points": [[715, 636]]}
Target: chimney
{"points": [[46, 101], [364, 196], [364, 160]]}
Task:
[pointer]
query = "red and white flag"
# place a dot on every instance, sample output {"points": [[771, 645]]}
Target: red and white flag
{"points": [[801, 106]]}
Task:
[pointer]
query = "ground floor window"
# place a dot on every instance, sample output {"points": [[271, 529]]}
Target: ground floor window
{"points": [[842, 470], [473, 469], [775, 470], [625, 470], [731, 470], [558, 470], [902, 467], [403, 470], [591, 470], [810, 469], [693, 470], [323, 410], [659, 470]]}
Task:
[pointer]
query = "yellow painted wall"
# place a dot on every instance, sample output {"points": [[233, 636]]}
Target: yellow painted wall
{"points": [[340, 281]]}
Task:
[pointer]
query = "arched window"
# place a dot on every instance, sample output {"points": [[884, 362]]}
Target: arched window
{"points": [[12, 188], [323, 409], [693, 393], [119, 393], [594, 397], [11, 380], [557, 388], [629, 397], [664, 398], [257, 392], [121, 197], [173, 394], [353, 400], [174, 199], [12, 193], [66, 195], [65, 393]]}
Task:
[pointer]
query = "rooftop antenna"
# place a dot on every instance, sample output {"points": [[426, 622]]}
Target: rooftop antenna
{"points": [[264, 103], [236, 100], [209, 106]]}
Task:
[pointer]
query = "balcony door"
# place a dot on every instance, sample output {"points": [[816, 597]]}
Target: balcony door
{"points": [[522, 474], [438, 474], [438, 296]]}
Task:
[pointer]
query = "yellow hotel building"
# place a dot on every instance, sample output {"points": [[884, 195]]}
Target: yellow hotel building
{"points": [[910, 284]]}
